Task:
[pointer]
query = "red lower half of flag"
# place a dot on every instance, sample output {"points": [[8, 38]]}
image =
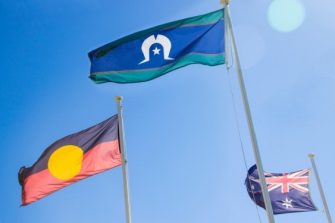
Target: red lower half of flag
{"points": [[101, 157]]}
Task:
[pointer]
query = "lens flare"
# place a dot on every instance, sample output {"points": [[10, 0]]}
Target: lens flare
{"points": [[286, 15]]}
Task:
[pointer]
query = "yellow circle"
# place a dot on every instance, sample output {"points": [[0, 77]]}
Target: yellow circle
{"points": [[65, 162]]}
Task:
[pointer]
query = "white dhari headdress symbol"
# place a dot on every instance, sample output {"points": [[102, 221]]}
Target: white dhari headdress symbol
{"points": [[160, 39]]}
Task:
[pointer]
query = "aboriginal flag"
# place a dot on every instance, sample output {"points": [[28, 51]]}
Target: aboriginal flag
{"points": [[71, 159]]}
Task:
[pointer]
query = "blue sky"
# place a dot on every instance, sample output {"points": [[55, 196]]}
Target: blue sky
{"points": [[185, 159]]}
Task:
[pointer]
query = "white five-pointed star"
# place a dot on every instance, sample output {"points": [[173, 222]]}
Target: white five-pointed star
{"points": [[156, 51], [287, 203]]}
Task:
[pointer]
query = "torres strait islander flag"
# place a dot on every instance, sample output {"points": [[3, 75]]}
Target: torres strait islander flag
{"points": [[150, 53], [71, 159], [289, 192]]}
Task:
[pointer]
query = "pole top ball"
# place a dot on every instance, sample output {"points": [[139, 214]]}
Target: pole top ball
{"points": [[118, 98], [311, 155], [225, 2]]}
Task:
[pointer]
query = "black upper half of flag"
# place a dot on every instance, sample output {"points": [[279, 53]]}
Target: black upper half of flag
{"points": [[85, 139], [289, 192]]}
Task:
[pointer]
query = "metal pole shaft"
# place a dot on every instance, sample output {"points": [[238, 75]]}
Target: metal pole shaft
{"points": [[257, 155], [124, 159], [323, 197]]}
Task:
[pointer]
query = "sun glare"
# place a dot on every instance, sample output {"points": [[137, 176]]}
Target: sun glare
{"points": [[286, 15]]}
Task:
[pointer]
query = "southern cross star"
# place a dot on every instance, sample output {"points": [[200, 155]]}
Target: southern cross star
{"points": [[287, 203], [156, 51]]}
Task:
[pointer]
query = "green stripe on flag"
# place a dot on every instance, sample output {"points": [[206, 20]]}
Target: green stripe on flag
{"points": [[134, 76], [206, 19]]}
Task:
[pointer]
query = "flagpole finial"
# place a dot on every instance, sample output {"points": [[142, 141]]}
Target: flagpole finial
{"points": [[311, 155], [118, 98], [225, 2]]}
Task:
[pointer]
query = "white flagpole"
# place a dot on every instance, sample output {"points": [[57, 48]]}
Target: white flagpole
{"points": [[257, 155], [323, 197], [124, 159]]}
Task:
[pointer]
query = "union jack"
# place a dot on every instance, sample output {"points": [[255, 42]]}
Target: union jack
{"points": [[296, 180]]}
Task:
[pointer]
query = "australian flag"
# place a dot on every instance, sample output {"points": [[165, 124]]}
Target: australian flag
{"points": [[289, 192]]}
